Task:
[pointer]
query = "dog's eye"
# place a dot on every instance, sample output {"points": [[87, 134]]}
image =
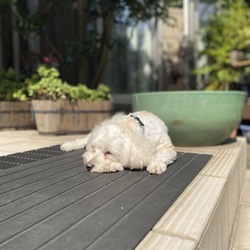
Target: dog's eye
{"points": [[107, 153]]}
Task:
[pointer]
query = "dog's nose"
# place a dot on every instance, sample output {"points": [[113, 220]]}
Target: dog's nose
{"points": [[89, 166]]}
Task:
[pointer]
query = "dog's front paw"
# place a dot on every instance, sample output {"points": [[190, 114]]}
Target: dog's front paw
{"points": [[157, 168], [111, 168], [66, 146], [114, 167]]}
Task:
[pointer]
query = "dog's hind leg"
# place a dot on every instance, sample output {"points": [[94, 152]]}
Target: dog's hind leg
{"points": [[74, 145], [163, 156]]}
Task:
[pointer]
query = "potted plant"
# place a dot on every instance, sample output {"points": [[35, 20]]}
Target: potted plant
{"points": [[221, 37], [15, 113], [226, 40], [60, 108]]}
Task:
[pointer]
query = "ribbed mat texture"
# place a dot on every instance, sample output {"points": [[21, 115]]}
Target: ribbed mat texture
{"points": [[49, 201]]}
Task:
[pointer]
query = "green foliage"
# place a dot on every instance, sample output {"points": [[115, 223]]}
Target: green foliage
{"points": [[82, 92], [49, 86], [29, 24], [10, 83], [22, 94], [175, 3], [225, 32]]}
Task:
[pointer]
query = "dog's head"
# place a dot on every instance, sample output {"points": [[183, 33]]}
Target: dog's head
{"points": [[104, 149]]}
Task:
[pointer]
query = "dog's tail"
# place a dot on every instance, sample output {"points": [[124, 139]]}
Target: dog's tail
{"points": [[74, 145]]}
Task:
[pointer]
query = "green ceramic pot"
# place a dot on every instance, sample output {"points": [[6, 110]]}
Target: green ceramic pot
{"points": [[195, 118]]}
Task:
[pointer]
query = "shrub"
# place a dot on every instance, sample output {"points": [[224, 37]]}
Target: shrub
{"points": [[10, 83], [225, 32], [48, 85]]}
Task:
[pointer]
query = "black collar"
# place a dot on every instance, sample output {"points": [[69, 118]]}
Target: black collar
{"points": [[140, 122]]}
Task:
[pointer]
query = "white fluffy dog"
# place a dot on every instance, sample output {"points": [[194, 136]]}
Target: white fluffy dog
{"points": [[131, 141]]}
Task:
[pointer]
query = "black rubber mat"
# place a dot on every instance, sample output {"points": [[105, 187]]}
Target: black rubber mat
{"points": [[54, 203], [14, 160]]}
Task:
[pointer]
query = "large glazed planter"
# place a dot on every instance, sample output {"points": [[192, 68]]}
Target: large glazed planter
{"points": [[64, 117], [16, 115], [195, 118]]}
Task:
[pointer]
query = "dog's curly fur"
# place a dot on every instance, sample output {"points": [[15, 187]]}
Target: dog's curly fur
{"points": [[126, 141]]}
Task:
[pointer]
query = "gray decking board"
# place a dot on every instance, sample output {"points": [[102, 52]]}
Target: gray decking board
{"points": [[55, 203]]}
